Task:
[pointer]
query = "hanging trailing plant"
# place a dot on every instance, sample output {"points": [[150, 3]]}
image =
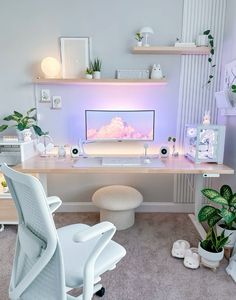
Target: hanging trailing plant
{"points": [[212, 53]]}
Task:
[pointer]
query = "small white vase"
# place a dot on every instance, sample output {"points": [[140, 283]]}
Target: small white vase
{"points": [[210, 259], [97, 75], [202, 40], [24, 135], [5, 189], [139, 43], [230, 233]]}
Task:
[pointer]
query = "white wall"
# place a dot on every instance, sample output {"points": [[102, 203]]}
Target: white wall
{"points": [[229, 54], [30, 30]]}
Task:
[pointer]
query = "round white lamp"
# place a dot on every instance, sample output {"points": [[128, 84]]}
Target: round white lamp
{"points": [[50, 67], [146, 31]]}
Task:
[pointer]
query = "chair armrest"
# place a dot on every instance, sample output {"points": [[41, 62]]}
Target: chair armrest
{"points": [[93, 231], [54, 203]]}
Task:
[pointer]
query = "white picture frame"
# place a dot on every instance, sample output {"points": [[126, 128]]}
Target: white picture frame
{"points": [[75, 56], [56, 102]]}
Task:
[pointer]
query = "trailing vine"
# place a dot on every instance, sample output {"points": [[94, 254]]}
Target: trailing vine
{"points": [[212, 53]]}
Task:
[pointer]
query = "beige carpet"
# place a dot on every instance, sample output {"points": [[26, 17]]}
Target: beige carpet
{"points": [[148, 272]]}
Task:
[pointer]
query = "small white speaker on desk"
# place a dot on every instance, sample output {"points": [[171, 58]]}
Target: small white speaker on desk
{"points": [[164, 151]]}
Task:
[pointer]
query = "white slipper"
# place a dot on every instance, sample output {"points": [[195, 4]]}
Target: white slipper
{"points": [[179, 248], [192, 258]]}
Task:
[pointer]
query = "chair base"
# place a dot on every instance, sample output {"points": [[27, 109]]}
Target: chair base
{"points": [[123, 219]]}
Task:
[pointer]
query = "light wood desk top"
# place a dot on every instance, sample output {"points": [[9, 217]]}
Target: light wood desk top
{"points": [[172, 165]]}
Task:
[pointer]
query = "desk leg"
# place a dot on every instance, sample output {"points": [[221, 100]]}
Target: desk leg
{"points": [[44, 181], [198, 204]]}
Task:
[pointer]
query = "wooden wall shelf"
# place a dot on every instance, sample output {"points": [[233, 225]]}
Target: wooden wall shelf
{"points": [[104, 81], [171, 50]]}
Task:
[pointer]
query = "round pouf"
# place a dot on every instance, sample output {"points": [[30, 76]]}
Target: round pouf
{"points": [[117, 204]]}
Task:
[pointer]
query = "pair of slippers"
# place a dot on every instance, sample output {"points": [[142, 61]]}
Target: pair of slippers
{"points": [[181, 249]]}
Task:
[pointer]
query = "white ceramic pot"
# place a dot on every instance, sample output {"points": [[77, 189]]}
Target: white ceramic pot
{"points": [[230, 233], [5, 189], [139, 44], [88, 76], [24, 135], [96, 75], [202, 40], [210, 259]]}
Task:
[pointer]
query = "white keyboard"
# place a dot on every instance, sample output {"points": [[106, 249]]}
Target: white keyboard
{"points": [[121, 161]]}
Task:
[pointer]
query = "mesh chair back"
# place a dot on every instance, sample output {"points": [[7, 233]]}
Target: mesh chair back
{"points": [[38, 271]]}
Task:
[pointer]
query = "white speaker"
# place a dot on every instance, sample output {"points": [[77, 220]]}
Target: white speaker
{"points": [[164, 151], [75, 151]]}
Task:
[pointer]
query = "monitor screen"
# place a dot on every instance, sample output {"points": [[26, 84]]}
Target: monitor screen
{"points": [[130, 125]]}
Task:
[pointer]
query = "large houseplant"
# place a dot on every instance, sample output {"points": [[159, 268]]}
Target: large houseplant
{"points": [[23, 123], [224, 215], [211, 249]]}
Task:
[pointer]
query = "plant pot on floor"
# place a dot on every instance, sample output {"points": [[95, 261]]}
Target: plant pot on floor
{"points": [[210, 259], [230, 233]]}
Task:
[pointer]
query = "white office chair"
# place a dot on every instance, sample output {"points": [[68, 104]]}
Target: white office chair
{"points": [[50, 262]]}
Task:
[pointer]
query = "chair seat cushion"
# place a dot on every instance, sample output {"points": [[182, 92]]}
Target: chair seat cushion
{"points": [[75, 255], [117, 197]]}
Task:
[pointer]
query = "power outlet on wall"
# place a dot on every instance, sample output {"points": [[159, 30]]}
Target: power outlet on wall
{"points": [[45, 96]]}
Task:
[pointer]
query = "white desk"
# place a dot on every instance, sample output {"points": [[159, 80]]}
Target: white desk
{"points": [[172, 165]]}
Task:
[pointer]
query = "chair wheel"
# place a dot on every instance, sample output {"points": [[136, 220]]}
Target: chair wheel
{"points": [[101, 292]]}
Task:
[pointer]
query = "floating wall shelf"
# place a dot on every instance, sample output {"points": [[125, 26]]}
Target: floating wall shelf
{"points": [[104, 81], [171, 50]]}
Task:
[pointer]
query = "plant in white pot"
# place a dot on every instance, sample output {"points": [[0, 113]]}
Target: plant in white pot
{"points": [[211, 249], [4, 186], [96, 66], [224, 215], [89, 73], [139, 38], [23, 124]]}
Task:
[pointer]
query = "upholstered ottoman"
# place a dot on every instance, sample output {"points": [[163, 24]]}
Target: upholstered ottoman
{"points": [[117, 204]]}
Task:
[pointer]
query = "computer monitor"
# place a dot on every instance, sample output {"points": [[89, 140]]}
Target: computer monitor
{"points": [[119, 125]]}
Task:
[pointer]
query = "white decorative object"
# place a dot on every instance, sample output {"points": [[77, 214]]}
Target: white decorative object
{"points": [[75, 55], [230, 233], [210, 259], [146, 31], [88, 76], [61, 151], [156, 72], [202, 40], [50, 67], [117, 204], [192, 258], [45, 145], [25, 135], [5, 189], [139, 43], [132, 74], [231, 269], [56, 102], [97, 75], [179, 248], [206, 118]]}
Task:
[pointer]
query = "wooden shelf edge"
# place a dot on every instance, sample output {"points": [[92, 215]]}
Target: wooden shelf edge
{"points": [[172, 50], [104, 81]]}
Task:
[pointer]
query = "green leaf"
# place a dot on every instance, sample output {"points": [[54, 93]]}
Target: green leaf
{"points": [[233, 199], [211, 76], [30, 110], [210, 59], [213, 220], [9, 118], [212, 51], [220, 200], [39, 131], [227, 215], [210, 193], [206, 212], [210, 37], [211, 43], [19, 115], [20, 126], [226, 192], [206, 32], [213, 66], [3, 127]]}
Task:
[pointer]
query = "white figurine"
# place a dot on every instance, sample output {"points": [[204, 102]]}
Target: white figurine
{"points": [[156, 72], [191, 259], [179, 248], [206, 118]]}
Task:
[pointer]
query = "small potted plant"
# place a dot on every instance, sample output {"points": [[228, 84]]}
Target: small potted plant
{"points": [[139, 38], [223, 216], [96, 66], [211, 249], [172, 140], [23, 124], [89, 73], [4, 186]]}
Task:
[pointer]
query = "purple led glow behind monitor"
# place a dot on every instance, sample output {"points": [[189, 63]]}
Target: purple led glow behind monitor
{"points": [[120, 125]]}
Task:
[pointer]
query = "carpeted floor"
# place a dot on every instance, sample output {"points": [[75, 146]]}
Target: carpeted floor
{"points": [[148, 272]]}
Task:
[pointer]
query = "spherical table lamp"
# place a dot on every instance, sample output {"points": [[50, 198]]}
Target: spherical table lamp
{"points": [[50, 67], [146, 31]]}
